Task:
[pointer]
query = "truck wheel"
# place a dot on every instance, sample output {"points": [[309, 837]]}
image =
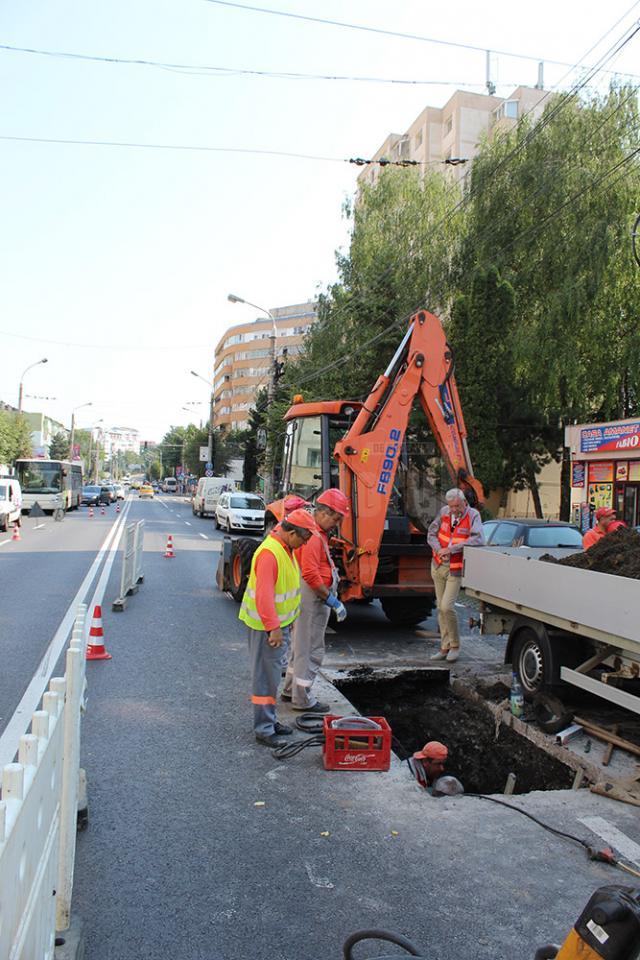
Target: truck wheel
{"points": [[242, 551], [531, 660], [407, 611]]}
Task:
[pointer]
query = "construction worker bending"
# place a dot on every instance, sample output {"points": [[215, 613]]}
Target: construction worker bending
{"points": [[319, 587], [270, 604], [456, 526], [427, 766]]}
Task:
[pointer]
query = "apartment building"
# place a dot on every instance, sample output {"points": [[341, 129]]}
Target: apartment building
{"points": [[242, 361], [454, 132], [121, 440]]}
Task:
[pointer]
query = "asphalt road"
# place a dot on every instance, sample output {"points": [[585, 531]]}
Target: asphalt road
{"points": [[201, 845]]}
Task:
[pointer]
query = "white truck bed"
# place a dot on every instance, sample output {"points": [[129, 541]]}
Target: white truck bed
{"points": [[596, 605]]}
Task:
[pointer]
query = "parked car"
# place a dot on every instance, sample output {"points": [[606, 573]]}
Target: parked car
{"points": [[206, 495], [10, 503], [530, 532], [92, 495], [146, 490], [240, 511], [120, 491], [110, 491]]}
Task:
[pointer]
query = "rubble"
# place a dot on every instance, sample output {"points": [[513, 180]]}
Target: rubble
{"points": [[617, 553]]}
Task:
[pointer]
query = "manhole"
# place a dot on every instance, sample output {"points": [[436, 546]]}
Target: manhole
{"points": [[482, 753]]}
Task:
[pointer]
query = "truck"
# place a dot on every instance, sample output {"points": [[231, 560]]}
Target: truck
{"points": [[381, 550], [563, 625]]}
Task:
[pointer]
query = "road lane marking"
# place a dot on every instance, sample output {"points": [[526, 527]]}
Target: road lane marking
{"points": [[203, 535], [2, 542], [629, 849], [187, 523], [38, 526], [21, 718]]}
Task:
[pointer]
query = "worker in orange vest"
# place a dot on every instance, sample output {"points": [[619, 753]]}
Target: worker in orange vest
{"points": [[605, 517], [318, 596], [457, 526]]}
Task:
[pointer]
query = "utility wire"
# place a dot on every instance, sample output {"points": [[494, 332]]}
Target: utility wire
{"points": [[207, 70], [390, 33]]}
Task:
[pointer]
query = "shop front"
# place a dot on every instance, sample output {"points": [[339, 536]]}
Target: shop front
{"points": [[605, 470]]}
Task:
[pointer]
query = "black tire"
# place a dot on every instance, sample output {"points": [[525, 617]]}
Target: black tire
{"points": [[242, 551], [4, 524], [551, 714], [216, 525], [407, 611], [531, 659]]}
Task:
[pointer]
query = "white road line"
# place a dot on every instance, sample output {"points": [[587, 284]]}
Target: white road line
{"points": [[629, 849], [2, 542], [38, 526], [31, 697], [187, 523], [203, 535]]}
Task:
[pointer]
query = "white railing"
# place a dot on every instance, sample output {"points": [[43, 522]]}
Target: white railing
{"points": [[38, 812], [131, 576]]}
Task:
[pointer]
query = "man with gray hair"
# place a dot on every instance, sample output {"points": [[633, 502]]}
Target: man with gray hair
{"points": [[456, 526]]}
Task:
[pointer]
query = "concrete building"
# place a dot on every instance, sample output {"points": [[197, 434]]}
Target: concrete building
{"points": [[454, 132], [242, 361], [120, 440], [43, 430]]}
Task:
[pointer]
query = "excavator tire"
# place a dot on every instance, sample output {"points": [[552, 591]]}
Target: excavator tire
{"points": [[242, 551], [407, 611]]}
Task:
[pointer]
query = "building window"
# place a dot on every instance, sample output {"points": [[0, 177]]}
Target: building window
{"points": [[507, 109]]}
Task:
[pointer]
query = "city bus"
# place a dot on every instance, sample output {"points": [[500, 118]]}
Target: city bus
{"points": [[53, 484]]}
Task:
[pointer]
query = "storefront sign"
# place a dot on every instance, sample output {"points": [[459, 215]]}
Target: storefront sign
{"points": [[600, 495], [577, 475], [634, 471], [616, 436], [601, 472], [622, 470]]}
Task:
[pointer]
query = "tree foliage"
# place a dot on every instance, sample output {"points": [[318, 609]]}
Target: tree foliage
{"points": [[59, 446], [15, 437]]}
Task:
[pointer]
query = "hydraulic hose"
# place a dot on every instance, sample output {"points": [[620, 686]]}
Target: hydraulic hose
{"points": [[395, 938]]}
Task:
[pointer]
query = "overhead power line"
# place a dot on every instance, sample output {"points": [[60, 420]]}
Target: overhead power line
{"points": [[390, 33], [207, 70]]}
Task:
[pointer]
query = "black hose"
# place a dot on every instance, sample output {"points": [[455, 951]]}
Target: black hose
{"points": [[541, 823], [310, 723], [396, 938], [297, 746]]}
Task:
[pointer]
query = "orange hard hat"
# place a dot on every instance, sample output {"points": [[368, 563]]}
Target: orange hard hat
{"points": [[300, 518], [335, 500], [434, 750], [294, 502]]}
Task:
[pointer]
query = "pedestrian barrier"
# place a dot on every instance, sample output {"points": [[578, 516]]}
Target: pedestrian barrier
{"points": [[38, 813], [132, 575]]}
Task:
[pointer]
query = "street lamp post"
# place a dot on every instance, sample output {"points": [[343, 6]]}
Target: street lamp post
{"points": [[73, 425], [271, 389], [30, 367], [210, 385]]}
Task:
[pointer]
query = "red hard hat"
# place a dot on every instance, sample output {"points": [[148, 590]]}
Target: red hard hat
{"points": [[294, 502], [434, 750], [335, 500], [302, 519]]}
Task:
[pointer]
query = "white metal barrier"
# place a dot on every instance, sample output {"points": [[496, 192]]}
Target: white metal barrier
{"points": [[132, 575], [38, 813]]}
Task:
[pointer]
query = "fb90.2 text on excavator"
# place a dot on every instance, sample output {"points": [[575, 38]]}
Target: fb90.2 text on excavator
{"points": [[380, 552]]}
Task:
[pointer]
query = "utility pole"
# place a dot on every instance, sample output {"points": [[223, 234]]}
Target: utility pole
{"points": [[30, 367]]}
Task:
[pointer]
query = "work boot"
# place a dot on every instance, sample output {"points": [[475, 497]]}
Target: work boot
{"points": [[282, 729], [316, 708], [440, 655], [272, 740], [453, 655]]}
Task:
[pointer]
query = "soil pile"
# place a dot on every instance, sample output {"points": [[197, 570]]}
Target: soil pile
{"points": [[617, 553]]}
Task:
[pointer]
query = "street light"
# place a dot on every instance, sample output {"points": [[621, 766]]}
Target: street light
{"points": [[210, 385], [73, 425], [271, 389], [30, 367]]}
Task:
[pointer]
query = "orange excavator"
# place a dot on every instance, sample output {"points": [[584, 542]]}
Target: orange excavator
{"points": [[381, 551]]}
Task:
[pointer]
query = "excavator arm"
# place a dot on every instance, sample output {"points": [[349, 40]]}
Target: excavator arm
{"points": [[368, 454]]}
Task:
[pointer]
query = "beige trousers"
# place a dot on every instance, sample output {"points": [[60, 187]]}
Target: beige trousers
{"points": [[447, 590]]}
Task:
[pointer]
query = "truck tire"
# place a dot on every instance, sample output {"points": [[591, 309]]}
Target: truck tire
{"points": [[242, 551], [407, 611], [531, 659]]}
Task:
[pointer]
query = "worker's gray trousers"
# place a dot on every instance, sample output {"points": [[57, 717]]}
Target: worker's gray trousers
{"points": [[447, 589], [266, 670], [307, 649]]}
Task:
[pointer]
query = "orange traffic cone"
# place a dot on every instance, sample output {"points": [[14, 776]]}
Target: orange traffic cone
{"points": [[169, 554], [95, 648], [117, 508], [16, 532], [102, 510]]}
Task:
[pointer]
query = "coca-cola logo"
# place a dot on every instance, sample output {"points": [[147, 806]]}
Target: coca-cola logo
{"points": [[355, 758]]}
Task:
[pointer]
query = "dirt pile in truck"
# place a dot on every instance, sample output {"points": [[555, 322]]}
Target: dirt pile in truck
{"points": [[617, 553]]}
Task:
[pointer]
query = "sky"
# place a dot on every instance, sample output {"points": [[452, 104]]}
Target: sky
{"points": [[116, 261]]}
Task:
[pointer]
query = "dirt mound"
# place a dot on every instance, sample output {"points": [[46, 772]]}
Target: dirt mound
{"points": [[617, 553]]}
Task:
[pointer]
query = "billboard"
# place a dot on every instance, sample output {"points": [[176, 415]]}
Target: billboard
{"points": [[614, 436]]}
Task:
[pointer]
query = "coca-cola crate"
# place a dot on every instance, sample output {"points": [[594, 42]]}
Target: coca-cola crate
{"points": [[353, 747]]}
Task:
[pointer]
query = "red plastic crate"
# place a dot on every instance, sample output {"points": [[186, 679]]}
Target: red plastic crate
{"points": [[353, 749]]}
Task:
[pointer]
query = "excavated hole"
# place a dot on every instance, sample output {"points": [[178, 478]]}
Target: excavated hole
{"points": [[420, 708]]}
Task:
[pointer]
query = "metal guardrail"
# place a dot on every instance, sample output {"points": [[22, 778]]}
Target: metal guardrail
{"points": [[38, 814], [131, 576]]}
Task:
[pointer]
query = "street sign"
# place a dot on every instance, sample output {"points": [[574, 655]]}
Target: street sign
{"points": [[209, 466], [204, 455], [208, 473]]}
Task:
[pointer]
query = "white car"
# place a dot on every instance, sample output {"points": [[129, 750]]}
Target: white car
{"points": [[119, 491], [240, 511], [10, 503]]}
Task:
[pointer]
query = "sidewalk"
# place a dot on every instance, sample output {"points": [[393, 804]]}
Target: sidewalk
{"points": [[179, 861]]}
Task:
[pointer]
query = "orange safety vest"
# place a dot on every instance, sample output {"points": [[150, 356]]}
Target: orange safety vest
{"points": [[450, 538]]}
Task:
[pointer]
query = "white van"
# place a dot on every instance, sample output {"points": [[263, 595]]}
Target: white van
{"points": [[10, 502], [207, 494], [169, 485]]}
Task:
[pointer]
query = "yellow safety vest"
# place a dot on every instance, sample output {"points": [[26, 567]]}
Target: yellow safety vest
{"points": [[287, 589]]}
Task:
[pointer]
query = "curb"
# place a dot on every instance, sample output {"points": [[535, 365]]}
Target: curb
{"points": [[72, 946]]}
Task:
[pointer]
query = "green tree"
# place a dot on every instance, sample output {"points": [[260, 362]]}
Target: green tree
{"points": [[59, 446], [15, 437]]}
